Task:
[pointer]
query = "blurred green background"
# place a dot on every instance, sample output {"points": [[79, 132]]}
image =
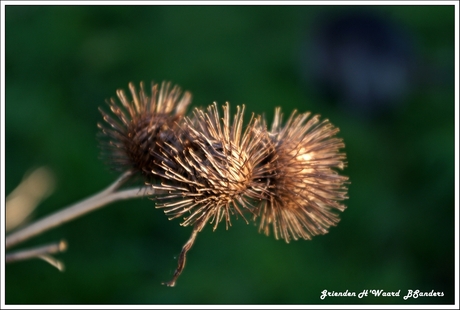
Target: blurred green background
{"points": [[62, 62]]}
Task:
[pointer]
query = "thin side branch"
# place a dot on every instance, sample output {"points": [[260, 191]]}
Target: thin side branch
{"points": [[76, 210], [183, 254], [36, 252], [53, 262]]}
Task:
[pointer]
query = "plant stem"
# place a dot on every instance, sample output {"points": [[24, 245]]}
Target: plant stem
{"points": [[78, 209], [183, 254], [36, 252]]}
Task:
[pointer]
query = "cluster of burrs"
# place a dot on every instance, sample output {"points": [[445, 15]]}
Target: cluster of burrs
{"points": [[209, 167]]}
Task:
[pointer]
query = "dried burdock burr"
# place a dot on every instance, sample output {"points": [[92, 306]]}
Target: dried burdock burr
{"points": [[138, 125], [210, 167], [210, 171], [304, 189]]}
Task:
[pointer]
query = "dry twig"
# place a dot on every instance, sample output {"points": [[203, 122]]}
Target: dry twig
{"points": [[74, 211]]}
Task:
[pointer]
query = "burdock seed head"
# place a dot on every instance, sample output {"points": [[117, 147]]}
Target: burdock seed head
{"points": [[304, 189], [209, 170], [139, 124]]}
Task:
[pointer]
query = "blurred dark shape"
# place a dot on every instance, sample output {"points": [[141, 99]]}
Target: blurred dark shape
{"points": [[360, 61]]}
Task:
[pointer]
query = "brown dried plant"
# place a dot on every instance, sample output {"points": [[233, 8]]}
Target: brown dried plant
{"points": [[205, 168], [138, 126], [304, 189], [210, 171], [211, 168]]}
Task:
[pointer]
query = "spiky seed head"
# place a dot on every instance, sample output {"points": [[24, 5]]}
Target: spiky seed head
{"points": [[210, 167], [138, 124], [304, 188]]}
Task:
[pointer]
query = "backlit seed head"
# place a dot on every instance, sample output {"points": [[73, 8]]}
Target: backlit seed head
{"points": [[137, 125], [211, 167], [304, 190]]}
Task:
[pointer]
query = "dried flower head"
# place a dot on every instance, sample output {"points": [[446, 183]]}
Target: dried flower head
{"points": [[138, 125], [210, 171], [304, 190], [211, 167]]}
